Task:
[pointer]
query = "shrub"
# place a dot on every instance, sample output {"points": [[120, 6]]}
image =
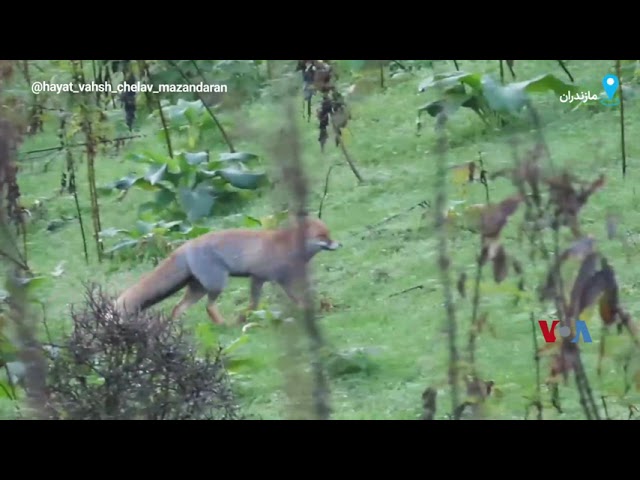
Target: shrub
{"points": [[144, 367]]}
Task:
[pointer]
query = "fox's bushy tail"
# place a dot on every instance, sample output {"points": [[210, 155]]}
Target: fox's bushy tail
{"points": [[170, 276]]}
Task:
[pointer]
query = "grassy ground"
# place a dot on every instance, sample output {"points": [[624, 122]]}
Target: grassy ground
{"points": [[403, 335]]}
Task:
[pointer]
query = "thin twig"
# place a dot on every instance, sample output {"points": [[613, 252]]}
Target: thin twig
{"points": [[348, 157], [293, 174], [83, 144], [407, 290], [537, 402], [622, 142], [483, 177], [165, 128], [604, 405], [422, 204], [566, 70], [403, 67], [444, 264], [326, 189], [475, 304], [18, 262]]}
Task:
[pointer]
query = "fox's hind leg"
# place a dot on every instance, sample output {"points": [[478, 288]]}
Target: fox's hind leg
{"points": [[212, 309], [192, 295], [211, 274]]}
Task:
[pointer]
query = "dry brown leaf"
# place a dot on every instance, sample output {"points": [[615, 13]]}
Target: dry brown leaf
{"points": [[584, 276], [579, 249], [495, 217]]}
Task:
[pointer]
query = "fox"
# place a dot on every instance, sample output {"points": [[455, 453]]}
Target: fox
{"points": [[204, 264]]}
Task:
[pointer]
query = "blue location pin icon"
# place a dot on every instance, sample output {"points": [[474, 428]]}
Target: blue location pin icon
{"points": [[610, 83]]}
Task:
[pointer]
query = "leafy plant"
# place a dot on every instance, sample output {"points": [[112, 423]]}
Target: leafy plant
{"points": [[492, 102], [188, 186]]}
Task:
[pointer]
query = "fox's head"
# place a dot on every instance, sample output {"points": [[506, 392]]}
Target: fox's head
{"points": [[318, 234], [318, 237]]}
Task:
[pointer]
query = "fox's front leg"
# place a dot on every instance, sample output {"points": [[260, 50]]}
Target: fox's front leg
{"points": [[289, 288], [256, 293]]}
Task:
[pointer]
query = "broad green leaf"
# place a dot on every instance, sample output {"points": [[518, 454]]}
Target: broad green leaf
{"points": [[243, 179], [196, 203], [164, 197], [191, 115], [124, 183], [145, 184], [122, 245], [8, 351], [5, 390], [236, 365], [173, 179], [191, 178], [174, 166], [236, 344], [446, 80], [179, 110], [112, 232], [146, 211], [155, 173], [504, 99], [144, 228], [17, 370], [169, 225], [159, 231], [545, 83], [449, 105], [513, 97], [196, 158], [453, 99], [194, 231], [213, 165], [237, 157], [148, 156], [192, 139], [251, 222], [202, 175]]}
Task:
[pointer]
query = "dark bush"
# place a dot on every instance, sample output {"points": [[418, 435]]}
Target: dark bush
{"points": [[145, 367]]}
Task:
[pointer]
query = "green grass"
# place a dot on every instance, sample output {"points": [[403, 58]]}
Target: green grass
{"points": [[404, 334]]}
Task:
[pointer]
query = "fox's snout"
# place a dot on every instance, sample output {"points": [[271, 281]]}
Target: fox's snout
{"points": [[327, 244], [319, 236], [332, 245]]}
